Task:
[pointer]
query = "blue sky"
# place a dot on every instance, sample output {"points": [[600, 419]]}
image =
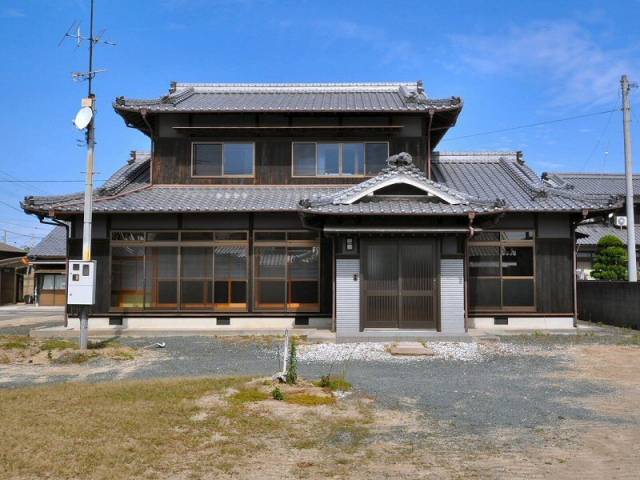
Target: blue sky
{"points": [[514, 63]]}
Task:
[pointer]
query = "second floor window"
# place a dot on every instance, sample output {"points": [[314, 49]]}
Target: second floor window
{"points": [[312, 159], [222, 159]]}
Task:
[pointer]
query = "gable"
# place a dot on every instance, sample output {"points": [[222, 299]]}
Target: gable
{"points": [[403, 184]]}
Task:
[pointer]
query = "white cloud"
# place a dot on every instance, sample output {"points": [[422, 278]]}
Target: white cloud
{"points": [[12, 13], [577, 70], [389, 49]]}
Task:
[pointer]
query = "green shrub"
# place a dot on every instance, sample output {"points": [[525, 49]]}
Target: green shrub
{"points": [[611, 259], [277, 394]]}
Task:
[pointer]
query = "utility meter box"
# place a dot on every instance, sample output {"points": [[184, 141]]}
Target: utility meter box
{"points": [[81, 283]]}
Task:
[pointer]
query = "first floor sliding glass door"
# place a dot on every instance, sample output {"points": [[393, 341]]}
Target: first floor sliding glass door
{"points": [[209, 271]]}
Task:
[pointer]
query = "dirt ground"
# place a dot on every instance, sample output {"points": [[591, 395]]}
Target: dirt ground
{"points": [[233, 429]]}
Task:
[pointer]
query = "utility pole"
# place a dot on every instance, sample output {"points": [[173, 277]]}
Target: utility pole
{"points": [[88, 190], [628, 170], [86, 120]]}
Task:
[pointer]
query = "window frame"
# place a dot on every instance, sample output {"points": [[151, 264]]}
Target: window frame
{"points": [[223, 175], [340, 143], [286, 244], [501, 244], [179, 244]]}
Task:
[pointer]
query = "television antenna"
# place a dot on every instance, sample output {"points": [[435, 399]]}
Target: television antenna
{"points": [[86, 120]]}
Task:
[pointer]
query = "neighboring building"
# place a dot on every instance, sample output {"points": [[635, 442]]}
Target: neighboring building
{"points": [[278, 204], [591, 231], [12, 269], [48, 265]]}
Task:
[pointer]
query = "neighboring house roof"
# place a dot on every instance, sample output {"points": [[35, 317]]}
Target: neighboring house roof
{"points": [[54, 245], [593, 232], [462, 182], [593, 183], [6, 248], [290, 97]]}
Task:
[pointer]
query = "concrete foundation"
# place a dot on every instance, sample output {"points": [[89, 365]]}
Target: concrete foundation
{"points": [[523, 323], [199, 323]]}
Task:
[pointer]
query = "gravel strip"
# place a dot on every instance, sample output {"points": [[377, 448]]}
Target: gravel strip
{"points": [[378, 352]]}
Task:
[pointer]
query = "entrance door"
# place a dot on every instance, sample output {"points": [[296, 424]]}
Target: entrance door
{"points": [[399, 283]]}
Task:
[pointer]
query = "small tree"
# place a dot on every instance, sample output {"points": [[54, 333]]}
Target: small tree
{"points": [[611, 259]]}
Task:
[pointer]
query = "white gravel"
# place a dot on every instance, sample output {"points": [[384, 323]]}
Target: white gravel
{"points": [[377, 352]]}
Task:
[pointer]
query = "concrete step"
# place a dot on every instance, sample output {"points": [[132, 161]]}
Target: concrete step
{"points": [[412, 349]]}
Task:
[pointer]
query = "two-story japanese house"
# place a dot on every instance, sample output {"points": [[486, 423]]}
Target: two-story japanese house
{"points": [[273, 205]]}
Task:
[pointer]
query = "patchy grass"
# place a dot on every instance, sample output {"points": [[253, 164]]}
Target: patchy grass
{"points": [[134, 429], [333, 383], [57, 344], [309, 400], [14, 342], [248, 395], [73, 357]]}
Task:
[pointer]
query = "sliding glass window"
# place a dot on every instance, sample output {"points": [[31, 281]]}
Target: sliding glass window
{"points": [[347, 159], [502, 271], [287, 271], [179, 270]]}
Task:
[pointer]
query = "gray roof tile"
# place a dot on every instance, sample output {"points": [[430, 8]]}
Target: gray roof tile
{"points": [[292, 97], [482, 182], [595, 231], [593, 183], [54, 245]]}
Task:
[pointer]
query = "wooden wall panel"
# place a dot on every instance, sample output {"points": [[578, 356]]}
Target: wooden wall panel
{"points": [[172, 161], [554, 275]]}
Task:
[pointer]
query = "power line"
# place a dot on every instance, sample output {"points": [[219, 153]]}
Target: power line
{"points": [[529, 125], [11, 206], [21, 225], [23, 234], [46, 181]]}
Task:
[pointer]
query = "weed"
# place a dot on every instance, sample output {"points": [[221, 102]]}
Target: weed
{"points": [[122, 355], [57, 344], [108, 343], [74, 358], [248, 395], [292, 373], [309, 400], [333, 383], [277, 394]]}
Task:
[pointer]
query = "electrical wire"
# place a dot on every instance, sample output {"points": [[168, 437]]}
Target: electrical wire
{"points": [[11, 206], [23, 234], [529, 125]]}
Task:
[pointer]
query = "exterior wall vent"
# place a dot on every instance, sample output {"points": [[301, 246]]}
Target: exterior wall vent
{"points": [[223, 320], [301, 321], [115, 321], [501, 320]]}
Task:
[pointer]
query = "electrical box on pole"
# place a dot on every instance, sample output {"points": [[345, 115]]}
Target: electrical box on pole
{"points": [[81, 282]]}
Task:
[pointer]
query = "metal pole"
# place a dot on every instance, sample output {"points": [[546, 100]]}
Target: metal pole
{"points": [[88, 192], [628, 170]]}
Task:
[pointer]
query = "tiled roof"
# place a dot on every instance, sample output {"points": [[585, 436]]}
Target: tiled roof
{"points": [[54, 245], [595, 231], [134, 175], [291, 97], [6, 248], [503, 175], [479, 182], [593, 183], [436, 199]]}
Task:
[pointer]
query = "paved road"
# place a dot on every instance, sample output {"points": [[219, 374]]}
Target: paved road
{"points": [[19, 319]]}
